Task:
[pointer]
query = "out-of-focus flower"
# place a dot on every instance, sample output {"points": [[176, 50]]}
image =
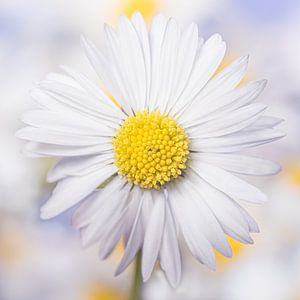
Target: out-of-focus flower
{"points": [[33, 267], [99, 292], [146, 7], [164, 156]]}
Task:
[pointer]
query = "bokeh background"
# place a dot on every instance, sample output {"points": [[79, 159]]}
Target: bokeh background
{"points": [[43, 260]]}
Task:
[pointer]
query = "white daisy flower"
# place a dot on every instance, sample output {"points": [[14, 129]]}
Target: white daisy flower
{"points": [[162, 161]]}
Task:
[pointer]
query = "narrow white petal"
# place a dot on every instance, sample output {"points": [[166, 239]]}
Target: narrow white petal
{"points": [[187, 50], [107, 218], [141, 29], [61, 103], [240, 164], [153, 235], [236, 141], [213, 107], [136, 235], [117, 68], [78, 166], [93, 204], [170, 258], [104, 70], [82, 100], [242, 95], [62, 78], [44, 149], [148, 203], [109, 242], [219, 85], [209, 58], [92, 89], [206, 221], [102, 223], [227, 79], [156, 36], [225, 210], [252, 225], [67, 122], [67, 139], [187, 216], [227, 124], [133, 63], [168, 62], [265, 122], [228, 183], [71, 190]]}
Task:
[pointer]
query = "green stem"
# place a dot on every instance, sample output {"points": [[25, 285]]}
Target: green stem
{"points": [[136, 289]]}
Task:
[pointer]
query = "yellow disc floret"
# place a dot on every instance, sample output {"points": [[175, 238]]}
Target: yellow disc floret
{"points": [[151, 149]]}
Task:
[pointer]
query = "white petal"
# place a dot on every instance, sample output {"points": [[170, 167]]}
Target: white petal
{"points": [[213, 107], [252, 225], [57, 138], [228, 183], [210, 57], [225, 210], [219, 85], [227, 79], [140, 27], [67, 122], [78, 166], [111, 213], [62, 78], [133, 63], [136, 235], [236, 141], [206, 221], [153, 235], [187, 216], [93, 90], [111, 239], [227, 124], [71, 105], [103, 69], [148, 203], [242, 95], [40, 150], [81, 100], [71, 190], [118, 69], [156, 36], [93, 204], [187, 50], [170, 258], [241, 164], [265, 122], [168, 62]]}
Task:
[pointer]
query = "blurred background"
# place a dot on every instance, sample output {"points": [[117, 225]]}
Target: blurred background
{"points": [[44, 259]]}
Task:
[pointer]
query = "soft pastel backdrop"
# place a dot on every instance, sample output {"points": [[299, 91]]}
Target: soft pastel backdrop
{"points": [[44, 259]]}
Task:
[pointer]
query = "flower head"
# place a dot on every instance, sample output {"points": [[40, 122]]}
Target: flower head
{"points": [[162, 161]]}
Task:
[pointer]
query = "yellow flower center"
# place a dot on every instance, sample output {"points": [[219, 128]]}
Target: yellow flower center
{"points": [[151, 149]]}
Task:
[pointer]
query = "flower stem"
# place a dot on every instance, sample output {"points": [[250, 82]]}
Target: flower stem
{"points": [[136, 289]]}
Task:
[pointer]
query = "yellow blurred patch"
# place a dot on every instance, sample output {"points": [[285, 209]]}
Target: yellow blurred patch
{"points": [[237, 249], [11, 249], [146, 7], [119, 250], [104, 293], [293, 174]]}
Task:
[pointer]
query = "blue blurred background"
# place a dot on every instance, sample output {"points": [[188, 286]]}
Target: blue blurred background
{"points": [[44, 259]]}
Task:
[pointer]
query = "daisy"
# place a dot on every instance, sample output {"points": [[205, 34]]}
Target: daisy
{"points": [[159, 160]]}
